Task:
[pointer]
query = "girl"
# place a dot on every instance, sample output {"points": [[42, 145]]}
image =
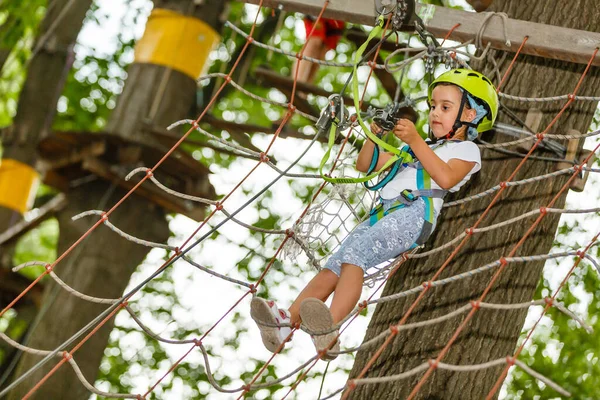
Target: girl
{"points": [[462, 103]]}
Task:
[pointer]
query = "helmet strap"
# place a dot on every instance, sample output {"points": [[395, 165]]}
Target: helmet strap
{"points": [[458, 123]]}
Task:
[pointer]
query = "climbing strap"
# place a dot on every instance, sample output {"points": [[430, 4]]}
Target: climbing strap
{"points": [[398, 155], [406, 199]]}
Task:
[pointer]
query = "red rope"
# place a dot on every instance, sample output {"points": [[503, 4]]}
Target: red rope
{"points": [[514, 249], [450, 33], [549, 303], [107, 214], [511, 64], [460, 245], [320, 355]]}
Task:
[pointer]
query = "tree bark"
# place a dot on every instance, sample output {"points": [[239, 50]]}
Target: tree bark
{"points": [[490, 334], [102, 265], [38, 98]]}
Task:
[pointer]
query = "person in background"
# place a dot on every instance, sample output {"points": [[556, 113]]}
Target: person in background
{"points": [[325, 36]]}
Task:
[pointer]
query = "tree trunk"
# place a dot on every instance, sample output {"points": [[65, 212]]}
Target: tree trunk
{"points": [[490, 334], [38, 98], [102, 265]]}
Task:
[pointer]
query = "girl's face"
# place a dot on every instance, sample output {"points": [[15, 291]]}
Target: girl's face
{"points": [[445, 102]]}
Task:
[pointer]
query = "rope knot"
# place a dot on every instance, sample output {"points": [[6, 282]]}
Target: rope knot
{"points": [[289, 233], [469, 231], [252, 288], [539, 136], [503, 185], [434, 363], [48, 268], [67, 356], [104, 217], [476, 304], [197, 342], [263, 157], [195, 122], [394, 329], [149, 173], [351, 384], [218, 206], [510, 360], [503, 261], [543, 210], [549, 300], [427, 284]]}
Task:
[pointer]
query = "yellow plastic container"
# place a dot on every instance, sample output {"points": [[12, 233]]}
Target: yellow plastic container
{"points": [[176, 41], [18, 185]]}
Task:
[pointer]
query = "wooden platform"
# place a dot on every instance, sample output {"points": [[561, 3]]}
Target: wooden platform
{"points": [[67, 157]]}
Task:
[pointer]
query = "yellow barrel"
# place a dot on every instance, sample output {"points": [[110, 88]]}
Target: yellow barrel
{"points": [[18, 185], [176, 41]]}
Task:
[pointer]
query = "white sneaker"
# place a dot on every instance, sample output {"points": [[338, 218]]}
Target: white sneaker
{"points": [[266, 312], [316, 316]]}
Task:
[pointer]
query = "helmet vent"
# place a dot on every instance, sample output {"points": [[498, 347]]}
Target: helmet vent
{"points": [[486, 79], [473, 74]]}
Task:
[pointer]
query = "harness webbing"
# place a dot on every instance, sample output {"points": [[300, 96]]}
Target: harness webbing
{"points": [[407, 197], [398, 155]]}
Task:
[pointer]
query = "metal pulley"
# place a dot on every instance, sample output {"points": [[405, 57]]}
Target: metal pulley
{"points": [[402, 11], [386, 118], [334, 111]]}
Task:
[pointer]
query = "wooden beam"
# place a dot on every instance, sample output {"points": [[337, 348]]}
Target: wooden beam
{"points": [[190, 209], [285, 84], [281, 83], [546, 41], [285, 132]]}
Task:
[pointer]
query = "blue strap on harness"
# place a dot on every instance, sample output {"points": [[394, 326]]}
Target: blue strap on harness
{"points": [[396, 167]]}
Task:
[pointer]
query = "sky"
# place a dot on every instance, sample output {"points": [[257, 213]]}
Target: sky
{"points": [[208, 297]]}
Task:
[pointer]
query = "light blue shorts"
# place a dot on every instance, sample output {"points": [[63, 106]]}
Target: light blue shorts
{"points": [[367, 246]]}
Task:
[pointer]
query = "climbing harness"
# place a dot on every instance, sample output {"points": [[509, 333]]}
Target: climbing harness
{"points": [[408, 196], [332, 119]]}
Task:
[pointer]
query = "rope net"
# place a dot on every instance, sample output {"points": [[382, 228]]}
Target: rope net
{"points": [[317, 230]]}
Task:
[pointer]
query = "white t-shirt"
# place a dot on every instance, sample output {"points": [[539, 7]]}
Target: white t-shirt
{"points": [[407, 177]]}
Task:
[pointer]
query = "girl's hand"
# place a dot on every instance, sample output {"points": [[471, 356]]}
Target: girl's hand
{"points": [[376, 129], [406, 131]]}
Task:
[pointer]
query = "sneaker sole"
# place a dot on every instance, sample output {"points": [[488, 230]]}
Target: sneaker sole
{"points": [[316, 316], [260, 312]]}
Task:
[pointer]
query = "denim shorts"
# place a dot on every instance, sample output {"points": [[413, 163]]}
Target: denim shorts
{"points": [[368, 246]]}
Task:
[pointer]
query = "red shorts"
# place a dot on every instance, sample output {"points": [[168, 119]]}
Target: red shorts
{"points": [[329, 30]]}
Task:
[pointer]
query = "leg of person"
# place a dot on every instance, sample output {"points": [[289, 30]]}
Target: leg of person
{"points": [[315, 37], [314, 67], [318, 318], [267, 315], [333, 33], [347, 292], [387, 238], [320, 287], [314, 49], [323, 284]]}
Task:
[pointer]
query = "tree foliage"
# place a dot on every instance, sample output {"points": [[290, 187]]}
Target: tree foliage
{"points": [[560, 349]]}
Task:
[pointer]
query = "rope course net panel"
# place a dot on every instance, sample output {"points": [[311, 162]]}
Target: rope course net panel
{"points": [[335, 208]]}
